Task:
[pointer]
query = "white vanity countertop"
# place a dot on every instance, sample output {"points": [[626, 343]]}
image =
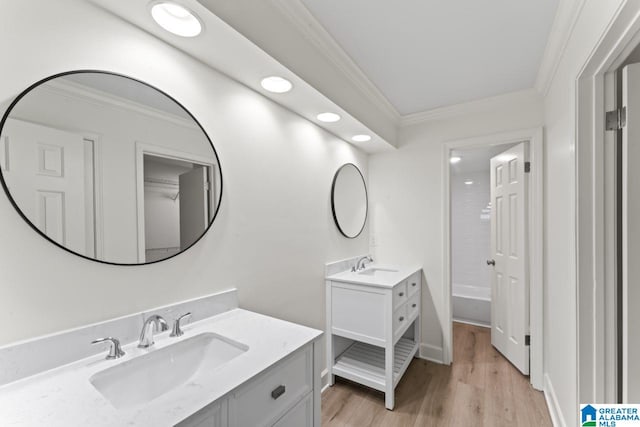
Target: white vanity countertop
{"points": [[65, 397], [387, 279]]}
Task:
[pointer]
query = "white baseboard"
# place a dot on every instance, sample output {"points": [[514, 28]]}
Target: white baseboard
{"points": [[324, 380], [469, 322], [552, 402], [431, 353]]}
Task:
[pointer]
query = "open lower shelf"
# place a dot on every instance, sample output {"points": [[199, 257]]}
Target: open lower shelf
{"points": [[364, 363]]}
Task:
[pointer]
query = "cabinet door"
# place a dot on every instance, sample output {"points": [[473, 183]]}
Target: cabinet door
{"points": [[300, 416], [214, 415]]}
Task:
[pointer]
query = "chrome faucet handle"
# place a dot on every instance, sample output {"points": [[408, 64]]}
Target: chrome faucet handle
{"points": [[115, 351], [177, 330]]}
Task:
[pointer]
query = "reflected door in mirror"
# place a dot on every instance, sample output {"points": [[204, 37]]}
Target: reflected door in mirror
{"points": [[45, 170]]}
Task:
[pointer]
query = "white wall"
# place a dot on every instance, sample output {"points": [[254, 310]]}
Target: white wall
{"points": [[406, 198], [470, 229], [274, 231]]}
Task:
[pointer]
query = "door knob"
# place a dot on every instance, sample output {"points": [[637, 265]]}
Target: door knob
{"points": [[491, 262]]}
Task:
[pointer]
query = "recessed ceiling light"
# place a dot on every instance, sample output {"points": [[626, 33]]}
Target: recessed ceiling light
{"points": [[328, 117], [276, 84], [468, 182], [454, 159], [361, 138], [506, 157], [176, 19]]}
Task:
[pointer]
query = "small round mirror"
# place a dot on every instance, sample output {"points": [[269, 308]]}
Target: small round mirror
{"points": [[349, 200], [109, 168]]}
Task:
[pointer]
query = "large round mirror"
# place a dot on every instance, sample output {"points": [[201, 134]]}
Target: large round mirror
{"points": [[349, 200], [109, 168]]}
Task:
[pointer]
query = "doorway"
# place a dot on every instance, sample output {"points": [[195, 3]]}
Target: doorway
{"points": [[481, 272], [607, 215], [175, 202], [471, 212]]}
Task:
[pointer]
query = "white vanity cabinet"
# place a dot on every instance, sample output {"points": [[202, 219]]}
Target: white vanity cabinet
{"points": [[373, 328], [214, 415], [285, 395]]}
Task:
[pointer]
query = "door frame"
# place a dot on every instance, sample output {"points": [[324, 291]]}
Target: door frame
{"points": [[143, 149], [534, 137], [596, 236]]}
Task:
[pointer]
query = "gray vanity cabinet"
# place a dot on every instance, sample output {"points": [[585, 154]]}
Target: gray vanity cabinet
{"points": [[285, 395]]}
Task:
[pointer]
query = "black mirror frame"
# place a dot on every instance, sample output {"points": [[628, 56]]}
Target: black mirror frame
{"points": [[333, 206], [28, 221]]}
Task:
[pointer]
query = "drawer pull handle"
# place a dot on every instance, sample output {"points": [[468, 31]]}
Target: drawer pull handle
{"points": [[401, 294], [278, 391], [401, 318], [413, 284], [413, 305]]}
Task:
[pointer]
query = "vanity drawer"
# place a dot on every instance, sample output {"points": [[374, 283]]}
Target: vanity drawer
{"points": [[300, 416], [413, 283], [399, 294], [413, 306], [264, 400], [400, 319]]}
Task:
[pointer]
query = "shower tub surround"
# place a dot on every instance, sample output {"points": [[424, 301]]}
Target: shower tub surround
{"points": [[472, 304], [47, 381]]}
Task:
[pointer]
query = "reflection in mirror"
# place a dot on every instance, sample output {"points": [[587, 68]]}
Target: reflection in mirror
{"points": [[109, 168], [349, 200]]}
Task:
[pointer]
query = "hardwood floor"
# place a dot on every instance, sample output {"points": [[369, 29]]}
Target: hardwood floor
{"points": [[481, 388]]}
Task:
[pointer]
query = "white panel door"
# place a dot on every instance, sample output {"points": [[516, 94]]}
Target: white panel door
{"points": [[194, 203], [631, 235], [510, 287], [44, 169]]}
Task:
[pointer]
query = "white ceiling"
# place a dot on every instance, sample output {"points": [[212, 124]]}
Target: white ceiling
{"points": [[424, 54], [477, 159]]}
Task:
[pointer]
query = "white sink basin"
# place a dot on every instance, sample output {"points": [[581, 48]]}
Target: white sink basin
{"points": [[146, 377], [378, 272]]}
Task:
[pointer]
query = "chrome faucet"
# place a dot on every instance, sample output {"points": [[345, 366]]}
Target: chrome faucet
{"points": [[361, 263], [153, 323]]}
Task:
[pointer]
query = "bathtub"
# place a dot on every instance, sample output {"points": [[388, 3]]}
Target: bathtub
{"points": [[471, 304]]}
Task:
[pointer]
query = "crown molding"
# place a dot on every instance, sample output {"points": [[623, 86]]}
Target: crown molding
{"points": [[476, 106], [95, 96], [304, 21], [561, 30]]}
